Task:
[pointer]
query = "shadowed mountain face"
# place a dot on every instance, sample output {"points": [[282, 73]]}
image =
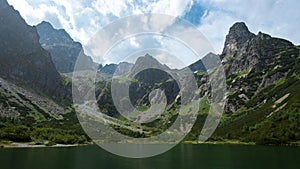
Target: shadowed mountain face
{"points": [[146, 75], [148, 79], [108, 69], [22, 59], [208, 62], [3, 4], [34, 98], [112, 68], [197, 67], [64, 50]]}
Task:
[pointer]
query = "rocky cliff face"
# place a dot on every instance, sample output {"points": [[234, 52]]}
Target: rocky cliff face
{"points": [[64, 50], [263, 80], [22, 59], [254, 62], [239, 42], [243, 49], [238, 38]]}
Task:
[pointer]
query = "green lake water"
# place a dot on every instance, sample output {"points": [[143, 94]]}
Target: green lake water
{"points": [[181, 157]]}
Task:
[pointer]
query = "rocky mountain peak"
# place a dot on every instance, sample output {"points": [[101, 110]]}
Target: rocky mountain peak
{"points": [[146, 62], [49, 34], [64, 50], [237, 37], [46, 24], [147, 59], [239, 26], [239, 30]]}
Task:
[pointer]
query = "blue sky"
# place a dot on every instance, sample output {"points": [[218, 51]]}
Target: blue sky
{"points": [[83, 18]]}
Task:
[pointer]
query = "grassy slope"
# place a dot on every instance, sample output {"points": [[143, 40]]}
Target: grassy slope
{"points": [[263, 124]]}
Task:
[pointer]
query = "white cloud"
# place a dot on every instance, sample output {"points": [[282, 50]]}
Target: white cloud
{"points": [[26, 10], [215, 29], [171, 7], [110, 7], [134, 43], [83, 18]]}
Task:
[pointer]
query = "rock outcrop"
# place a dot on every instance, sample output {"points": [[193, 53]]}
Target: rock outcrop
{"points": [[64, 50], [253, 62]]}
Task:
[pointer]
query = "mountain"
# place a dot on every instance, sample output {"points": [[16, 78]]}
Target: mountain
{"points": [[143, 80], [263, 88], [150, 74], [23, 60], [108, 69], [253, 62], [211, 61], [63, 49], [262, 98], [26, 116], [34, 97], [208, 62], [146, 62], [197, 67], [123, 67], [237, 38]]}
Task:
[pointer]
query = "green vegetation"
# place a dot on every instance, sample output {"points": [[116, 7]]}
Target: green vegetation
{"points": [[204, 106], [260, 123], [255, 112], [201, 73], [280, 81], [297, 76], [242, 73], [67, 131]]}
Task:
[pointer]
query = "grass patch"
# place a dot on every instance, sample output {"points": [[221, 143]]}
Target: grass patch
{"points": [[280, 81]]}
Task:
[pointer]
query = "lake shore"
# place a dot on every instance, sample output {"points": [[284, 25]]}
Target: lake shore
{"points": [[233, 142], [37, 145], [226, 142]]}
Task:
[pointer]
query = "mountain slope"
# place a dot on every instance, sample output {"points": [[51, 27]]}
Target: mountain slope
{"points": [[64, 50], [254, 63], [262, 76], [263, 83], [34, 98], [23, 60]]}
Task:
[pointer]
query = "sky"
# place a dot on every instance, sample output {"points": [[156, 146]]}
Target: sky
{"points": [[213, 18]]}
